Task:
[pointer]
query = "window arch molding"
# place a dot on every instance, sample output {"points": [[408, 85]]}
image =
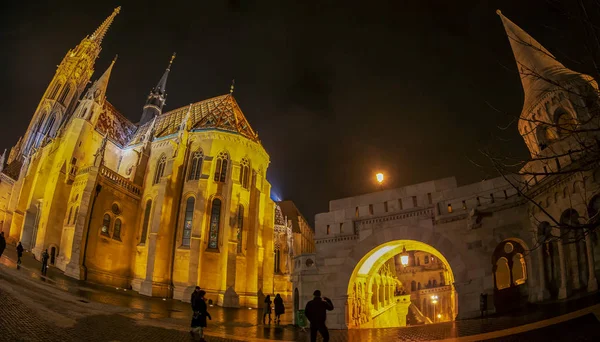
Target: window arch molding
{"points": [[221, 167], [565, 122], [106, 220], [161, 163], [195, 167], [245, 169]]}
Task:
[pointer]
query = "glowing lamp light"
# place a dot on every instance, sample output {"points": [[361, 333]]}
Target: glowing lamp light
{"points": [[439, 315], [379, 177], [404, 260]]}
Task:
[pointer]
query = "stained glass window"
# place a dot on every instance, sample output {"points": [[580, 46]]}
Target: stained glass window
{"points": [[117, 230], [195, 166], [215, 218], [221, 167], [187, 223], [105, 224], [245, 173]]}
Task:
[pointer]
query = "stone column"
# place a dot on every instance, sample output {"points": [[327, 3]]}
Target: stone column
{"points": [[562, 291], [542, 291], [592, 282], [574, 265]]}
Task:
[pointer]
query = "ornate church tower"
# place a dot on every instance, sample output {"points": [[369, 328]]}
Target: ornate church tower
{"points": [[60, 98], [157, 98]]}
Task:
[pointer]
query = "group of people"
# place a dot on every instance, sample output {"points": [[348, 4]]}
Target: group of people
{"points": [[19, 248], [315, 312]]}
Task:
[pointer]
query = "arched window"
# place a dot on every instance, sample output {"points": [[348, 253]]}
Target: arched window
{"points": [[49, 123], [542, 137], [187, 222], [64, 94], [195, 166], [519, 270], [569, 218], [215, 221], [221, 167], [594, 209], [160, 169], [276, 260], [54, 91], [565, 122], [245, 173], [105, 225], [502, 274], [75, 217], [69, 218], [38, 127], [117, 230], [240, 227], [426, 259], [146, 221]]}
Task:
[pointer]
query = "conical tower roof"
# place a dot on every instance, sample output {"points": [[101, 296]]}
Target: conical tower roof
{"points": [[98, 90], [540, 72]]}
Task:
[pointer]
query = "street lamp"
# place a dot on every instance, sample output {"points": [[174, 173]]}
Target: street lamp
{"points": [[434, 300], [379, 177], [404, 257]]}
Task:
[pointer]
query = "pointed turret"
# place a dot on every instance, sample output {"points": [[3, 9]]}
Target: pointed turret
{"points": [[100, 32], [539, 70], [97, 91], [157, 98]]}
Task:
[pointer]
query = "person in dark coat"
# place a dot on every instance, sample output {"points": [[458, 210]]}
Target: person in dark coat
{"points": [[19, 253], [267, 309], [45, 257], [316, 313], [200, 315], [2, 243], [279, 308], [193, 301]]}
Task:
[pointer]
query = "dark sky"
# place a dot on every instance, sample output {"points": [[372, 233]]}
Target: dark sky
{"points": [[337, 90]]}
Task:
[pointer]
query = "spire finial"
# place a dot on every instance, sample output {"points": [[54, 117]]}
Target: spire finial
{"points": [[232, 86], [498, 12], [115, 59], [171, 61], [100, 32]]}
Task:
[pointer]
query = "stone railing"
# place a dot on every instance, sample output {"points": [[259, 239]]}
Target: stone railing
{"points": [[434, 290], [120, 181], [418, 212]]}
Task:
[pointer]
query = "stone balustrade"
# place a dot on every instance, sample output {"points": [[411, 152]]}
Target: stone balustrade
{"points": [[120, 181]]}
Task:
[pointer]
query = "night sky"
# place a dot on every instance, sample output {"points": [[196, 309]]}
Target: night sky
{"points": [[336, 90]]}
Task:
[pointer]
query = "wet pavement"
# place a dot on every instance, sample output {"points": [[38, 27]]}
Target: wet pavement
{"points": [[125, 311]]}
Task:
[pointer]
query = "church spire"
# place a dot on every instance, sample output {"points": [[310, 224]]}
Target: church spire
{"points": [[98, 90], [100, 32], [158, 96]]}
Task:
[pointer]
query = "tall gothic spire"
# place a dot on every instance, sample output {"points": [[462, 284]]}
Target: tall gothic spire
{"points": [[100, 32], [98, 90], [158, 96]]}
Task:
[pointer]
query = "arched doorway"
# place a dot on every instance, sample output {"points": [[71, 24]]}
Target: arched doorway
{"points": [[510, 276], [390, 275]]}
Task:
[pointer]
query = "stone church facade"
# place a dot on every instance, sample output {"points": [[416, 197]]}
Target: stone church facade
{"points": [[492, 237], [176, 200]]}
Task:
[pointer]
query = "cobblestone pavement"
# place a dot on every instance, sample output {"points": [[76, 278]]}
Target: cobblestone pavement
{"points": [[57, 308]]}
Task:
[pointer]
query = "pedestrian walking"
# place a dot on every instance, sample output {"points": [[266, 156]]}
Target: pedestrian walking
{"points": [[195, 304], [45, 257], [316, 313], [199, 316], [2, 243], [19, 253], [279, 308], [267, 309]]}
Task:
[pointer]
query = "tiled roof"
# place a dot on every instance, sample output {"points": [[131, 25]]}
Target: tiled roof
{"points": [[221, 112], [119, 128]]}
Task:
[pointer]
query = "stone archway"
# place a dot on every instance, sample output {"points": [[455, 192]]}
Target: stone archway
{"points": [[370, 249]]}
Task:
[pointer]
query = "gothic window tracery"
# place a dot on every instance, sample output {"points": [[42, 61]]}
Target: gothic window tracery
{"points": [[69, 218], [188, 221], [160, 169], [65, 94], [196, 166], [245, 173], [54, 91], [221, 167], [215, 221]]}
